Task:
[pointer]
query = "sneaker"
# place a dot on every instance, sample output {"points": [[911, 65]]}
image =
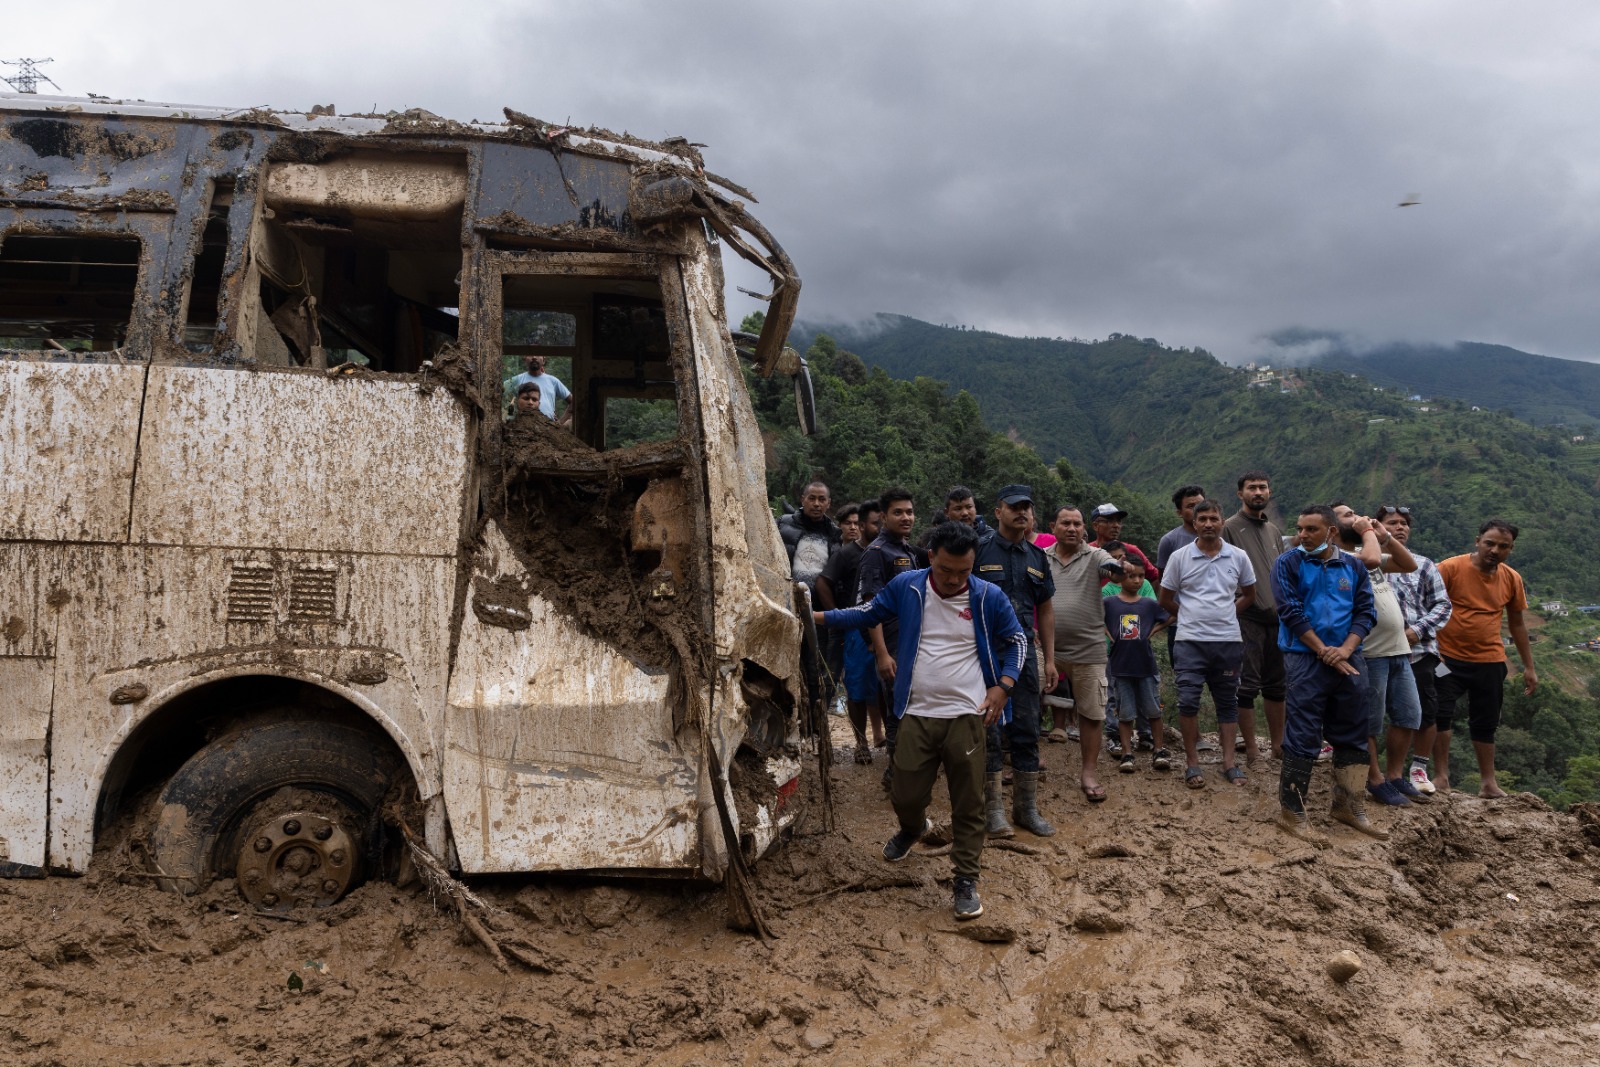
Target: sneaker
{"points": [[1388, 794], [1072, 733], [1125, 765], [1419, 780], [967, 904], [1114, 747], [1147, 743], [1238, 743], [898, 847], [1326, 754], [1409, 791], [1162, 760]]}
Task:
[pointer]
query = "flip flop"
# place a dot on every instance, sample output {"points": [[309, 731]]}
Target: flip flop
{"points": [[1233, 775], [1057, 735], [1096, 794], [1194, 778]]}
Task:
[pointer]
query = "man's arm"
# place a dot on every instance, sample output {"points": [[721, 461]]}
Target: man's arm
{"points": [[1519, 637], [1400, 560], [1371, 553], [824, 592], [1246, 597]]}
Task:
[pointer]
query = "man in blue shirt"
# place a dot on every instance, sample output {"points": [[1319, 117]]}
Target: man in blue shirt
{"points": [[1325, 610], [960, 651]]}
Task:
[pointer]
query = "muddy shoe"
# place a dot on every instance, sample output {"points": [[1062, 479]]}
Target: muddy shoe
{"points": [[1125, 764], [1350, 800], [898, 847], [967, 904], [1025, 805], [1146, 743], [1162, 760], [888, 777], [994, 806], [1296, 825], [863, 754], [1409, 791], [1385, 793]]}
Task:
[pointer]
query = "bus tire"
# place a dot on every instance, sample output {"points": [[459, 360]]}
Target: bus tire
{"points": [[330, 776]]}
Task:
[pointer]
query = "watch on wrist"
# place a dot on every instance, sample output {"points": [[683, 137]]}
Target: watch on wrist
{"points": [[1009, 689]]}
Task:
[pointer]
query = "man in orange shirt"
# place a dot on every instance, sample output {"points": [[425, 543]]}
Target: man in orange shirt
{"points": [[1480, 587]]}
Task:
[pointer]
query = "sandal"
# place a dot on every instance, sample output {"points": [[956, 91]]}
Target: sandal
{"points": [[1096, 794], [1194, 778], [1234, 775], [863, 754], [1058, 735]]}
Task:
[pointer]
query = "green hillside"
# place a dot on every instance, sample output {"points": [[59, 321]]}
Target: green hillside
{"points": [[1152, 417], [1540, 389]]}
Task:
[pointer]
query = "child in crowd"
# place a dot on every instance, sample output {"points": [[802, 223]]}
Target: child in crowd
{"points": [[1132, 619], [1119, 552]]}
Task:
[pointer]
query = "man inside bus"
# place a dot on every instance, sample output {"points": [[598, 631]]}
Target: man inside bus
{"points": [[527, 401], [552, 390]]}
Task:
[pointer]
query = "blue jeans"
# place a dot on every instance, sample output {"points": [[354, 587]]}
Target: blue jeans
{"points": [[1137, 698], [1390, 686], [1324, 703], [1023, 729], [1214, 664]]}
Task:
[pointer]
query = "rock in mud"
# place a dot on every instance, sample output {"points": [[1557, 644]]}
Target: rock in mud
{"points": [[1098, 921], [1343, 966], [816, 1039]]}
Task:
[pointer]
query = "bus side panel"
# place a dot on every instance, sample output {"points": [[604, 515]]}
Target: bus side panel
{"points": [[24, 757], [287, 460], [68, 436], [559, 750]]}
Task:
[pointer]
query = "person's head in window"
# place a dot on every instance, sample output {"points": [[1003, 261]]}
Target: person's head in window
{"points": [[528, 395], [535, 365]]}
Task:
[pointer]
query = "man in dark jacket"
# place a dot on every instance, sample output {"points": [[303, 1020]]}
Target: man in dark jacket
{"points": [[810, 536], [1325, 610]]}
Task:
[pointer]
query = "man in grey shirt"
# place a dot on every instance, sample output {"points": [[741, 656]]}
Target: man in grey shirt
{"points": [[1206, 585], [1078, 572], [1260, 538], [1184, 499]]}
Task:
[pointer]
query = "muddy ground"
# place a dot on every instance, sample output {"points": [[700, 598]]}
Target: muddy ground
{"points": [[1162, 927]]}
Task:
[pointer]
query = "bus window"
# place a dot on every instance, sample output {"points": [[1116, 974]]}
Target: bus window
{"points": [[67, 292]]}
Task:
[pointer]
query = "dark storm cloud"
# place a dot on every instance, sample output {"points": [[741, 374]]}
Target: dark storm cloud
{"points": [[1202, 172]]}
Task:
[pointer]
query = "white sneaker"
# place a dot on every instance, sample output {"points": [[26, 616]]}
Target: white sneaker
{"points": [[1420, 780], [1326, 754]]}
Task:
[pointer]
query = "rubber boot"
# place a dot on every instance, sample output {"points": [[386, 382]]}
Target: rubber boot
{"points": [[994, 803], [1025, 804], [1294, 782], [1350, 800]]}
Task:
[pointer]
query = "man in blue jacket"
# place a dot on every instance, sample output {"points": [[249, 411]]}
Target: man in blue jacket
{"points": [[1325, 610], [959, 655]]}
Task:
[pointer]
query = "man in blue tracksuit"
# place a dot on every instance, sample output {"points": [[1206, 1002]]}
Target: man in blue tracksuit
{"points": [[959, 654], [1325, 610]]}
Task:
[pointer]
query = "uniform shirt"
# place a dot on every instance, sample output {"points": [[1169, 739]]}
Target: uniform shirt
{"points": [[1206, 587], [1020, 569], [1476, 601], [880, 563], [1171, 541], [1129, 626], [551, 389], [948, 680], [1262, 541], [1388, 636], [1080, 615], [842, 573], [1424, 601]]}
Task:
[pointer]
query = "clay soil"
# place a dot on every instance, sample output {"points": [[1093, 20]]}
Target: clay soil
{"points": [[1162, 927]]}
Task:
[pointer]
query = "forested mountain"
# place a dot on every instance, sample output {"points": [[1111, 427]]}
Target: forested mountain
{"points": [[1132, 410]]}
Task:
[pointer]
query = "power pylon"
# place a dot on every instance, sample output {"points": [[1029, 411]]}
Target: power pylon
{"points": [[28, 74]]}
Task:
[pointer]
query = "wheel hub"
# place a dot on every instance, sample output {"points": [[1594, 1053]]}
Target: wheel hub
{"points": [[295, 859]]}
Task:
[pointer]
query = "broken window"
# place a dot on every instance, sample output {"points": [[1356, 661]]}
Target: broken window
{"points": [[358, 260], [205, 277], [607, 340], [67, 292]]}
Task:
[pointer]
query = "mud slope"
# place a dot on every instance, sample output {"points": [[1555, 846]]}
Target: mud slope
{"points": [[1163, 927]]}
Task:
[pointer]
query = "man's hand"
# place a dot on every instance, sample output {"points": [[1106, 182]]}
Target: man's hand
{"points": [[1530, 680], [1052, 676], [1411, 635], [994, 705], [1333, 655], [1362, 525], [886, 667]]}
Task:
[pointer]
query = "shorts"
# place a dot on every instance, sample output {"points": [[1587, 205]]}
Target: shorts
{"points": [[1213, 665], [860, 668], [1088, 682], [1485, 687], [1137, 698], [1390, 688], [1262, 672]]}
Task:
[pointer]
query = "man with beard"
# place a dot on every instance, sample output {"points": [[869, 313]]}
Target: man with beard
{"points": [[1251, 531]]}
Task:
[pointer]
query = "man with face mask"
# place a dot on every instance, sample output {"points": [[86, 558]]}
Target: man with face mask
{"points": [[1325, 609]]}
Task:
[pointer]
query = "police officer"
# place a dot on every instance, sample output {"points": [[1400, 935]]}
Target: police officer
{"points": [[1008, 558]]}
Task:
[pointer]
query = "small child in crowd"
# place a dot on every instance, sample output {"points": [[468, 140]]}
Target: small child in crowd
{"points": [[1132, 618]]}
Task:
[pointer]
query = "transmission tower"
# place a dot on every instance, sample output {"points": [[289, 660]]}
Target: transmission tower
{"points": [[28, 74]]}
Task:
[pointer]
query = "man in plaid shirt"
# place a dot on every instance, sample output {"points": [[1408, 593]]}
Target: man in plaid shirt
{"points": [[1427, 608]]}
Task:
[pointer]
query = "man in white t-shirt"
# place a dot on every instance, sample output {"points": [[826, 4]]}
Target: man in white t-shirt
{"points": [[1206, 584]]}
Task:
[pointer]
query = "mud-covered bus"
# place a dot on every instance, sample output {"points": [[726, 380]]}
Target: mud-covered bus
{"points": [[272, 557]]}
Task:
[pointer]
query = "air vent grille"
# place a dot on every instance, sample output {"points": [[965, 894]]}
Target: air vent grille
{"points": [[311, 594], [250, 592]]}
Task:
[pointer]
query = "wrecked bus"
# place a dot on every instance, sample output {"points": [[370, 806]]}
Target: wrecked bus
{"points": [[272, 558]]}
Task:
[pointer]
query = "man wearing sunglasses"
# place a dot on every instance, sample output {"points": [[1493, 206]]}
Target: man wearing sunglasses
{"points": [[1427, 608]]}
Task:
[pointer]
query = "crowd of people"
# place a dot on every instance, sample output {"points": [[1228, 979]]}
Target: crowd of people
{"points": [[966, 651]]}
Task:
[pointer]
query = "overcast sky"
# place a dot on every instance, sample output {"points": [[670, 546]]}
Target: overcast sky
{"points": [[1202, 171]]}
